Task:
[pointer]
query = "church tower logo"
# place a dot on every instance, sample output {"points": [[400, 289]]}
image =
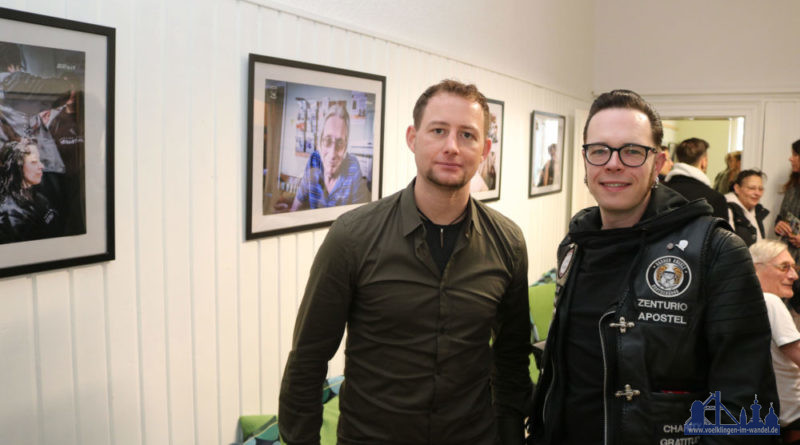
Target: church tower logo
{"points": [[700, 424]]}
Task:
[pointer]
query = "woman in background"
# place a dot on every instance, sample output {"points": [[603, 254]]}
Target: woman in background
{"points": [[549, 169], [787, 225], [745, 214], [25, 214], [724, 179]]}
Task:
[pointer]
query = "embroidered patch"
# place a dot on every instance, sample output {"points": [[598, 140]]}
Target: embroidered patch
{"points": [[566, 262], [669, 276]]}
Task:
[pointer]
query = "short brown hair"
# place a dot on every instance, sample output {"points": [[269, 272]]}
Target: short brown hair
{"points": [[691, 151], [467, 91]]}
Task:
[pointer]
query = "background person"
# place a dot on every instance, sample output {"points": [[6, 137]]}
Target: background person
{"points": [[401, 275], [667, 167], [25, 214], [776, 271], [333, 176], [650, 296], [724, 179], [745, 213], [549, 169], [787, 223], [688, 175]]}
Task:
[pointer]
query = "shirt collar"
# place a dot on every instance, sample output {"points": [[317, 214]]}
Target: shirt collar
{"points": [[411, 219]]}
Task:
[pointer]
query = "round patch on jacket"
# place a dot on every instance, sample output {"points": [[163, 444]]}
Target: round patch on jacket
{"points": [[669, 276]]}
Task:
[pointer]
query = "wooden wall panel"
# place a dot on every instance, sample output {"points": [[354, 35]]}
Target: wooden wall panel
{"points": [[88, 310], [55, 365], [19, 411], [781, 128]]}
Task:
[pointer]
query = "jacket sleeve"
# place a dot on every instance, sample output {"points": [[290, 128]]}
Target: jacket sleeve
{"points": [[317, 333], [511, 381], [737, 333]]}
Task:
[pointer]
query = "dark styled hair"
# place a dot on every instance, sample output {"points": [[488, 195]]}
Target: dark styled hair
{"points": [[467, 91], [691, 151], [627, 99], [12, 158], [746, 174], [794, 178]]}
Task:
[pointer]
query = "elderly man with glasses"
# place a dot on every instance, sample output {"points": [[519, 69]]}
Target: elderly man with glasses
{"points": [[657, 305], [776, 272], [333, 176]]}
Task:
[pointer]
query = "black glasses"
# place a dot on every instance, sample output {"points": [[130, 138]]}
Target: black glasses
{"points": [[631, 155]]}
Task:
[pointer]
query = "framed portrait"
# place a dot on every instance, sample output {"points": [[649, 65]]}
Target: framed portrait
{"points": [[56, 143], [314, 144], [547, 153], [485, 185]]}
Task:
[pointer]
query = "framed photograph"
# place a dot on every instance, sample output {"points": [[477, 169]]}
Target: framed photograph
{"points": [[547, 153], [485, 185], [314, 144], [56, 143]]}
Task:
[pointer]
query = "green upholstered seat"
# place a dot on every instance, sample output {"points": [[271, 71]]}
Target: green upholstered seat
{"points": [[263, 428], [540, 301]]}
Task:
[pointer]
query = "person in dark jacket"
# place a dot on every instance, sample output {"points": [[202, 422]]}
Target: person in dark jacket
{"points": [[688, 176], [25, 214], [657, 306], [745, 214]]}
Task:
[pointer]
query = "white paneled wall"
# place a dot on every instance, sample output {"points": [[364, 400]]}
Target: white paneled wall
{"points": [[781, 128], [190, 326]]}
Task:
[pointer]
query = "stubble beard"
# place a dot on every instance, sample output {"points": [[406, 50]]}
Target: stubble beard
{"points": [[451, 186]]}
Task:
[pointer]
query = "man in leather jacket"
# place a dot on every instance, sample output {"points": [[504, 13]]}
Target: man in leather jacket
{"points": [[657, 305]]}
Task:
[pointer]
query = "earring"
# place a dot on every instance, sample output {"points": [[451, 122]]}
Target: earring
{"points": [[655, 183], [584, 180]]}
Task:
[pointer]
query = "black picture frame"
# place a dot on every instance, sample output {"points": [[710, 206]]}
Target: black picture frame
{"points": [[59, 97], [485, 185], [288, 102], [546, 167]]}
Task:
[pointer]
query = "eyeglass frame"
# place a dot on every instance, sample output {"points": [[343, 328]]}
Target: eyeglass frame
{"points": [[784, 267], [339, 144], [619, 151]]}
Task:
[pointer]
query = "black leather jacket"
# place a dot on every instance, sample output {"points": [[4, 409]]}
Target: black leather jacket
{"points": [[690, 319], [743, 227]]}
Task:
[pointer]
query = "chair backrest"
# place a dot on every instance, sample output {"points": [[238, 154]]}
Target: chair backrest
{"points": [[540, 300]]}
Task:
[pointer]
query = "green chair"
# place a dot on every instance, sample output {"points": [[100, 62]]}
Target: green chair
{"points": [[540, 301], [263, 429]]}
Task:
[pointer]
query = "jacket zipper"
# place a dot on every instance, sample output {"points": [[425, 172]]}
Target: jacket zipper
{"points": [[605, 376]]}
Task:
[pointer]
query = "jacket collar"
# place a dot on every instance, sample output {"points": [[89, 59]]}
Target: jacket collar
{"points": [[681, 169]]}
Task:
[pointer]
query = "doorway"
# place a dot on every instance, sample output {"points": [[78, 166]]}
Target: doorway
{"points": [[723, 134]]}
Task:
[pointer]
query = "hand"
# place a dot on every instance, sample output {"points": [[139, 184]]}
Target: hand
{"points": [[794, 240], [783, 228], [45, 116]]}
